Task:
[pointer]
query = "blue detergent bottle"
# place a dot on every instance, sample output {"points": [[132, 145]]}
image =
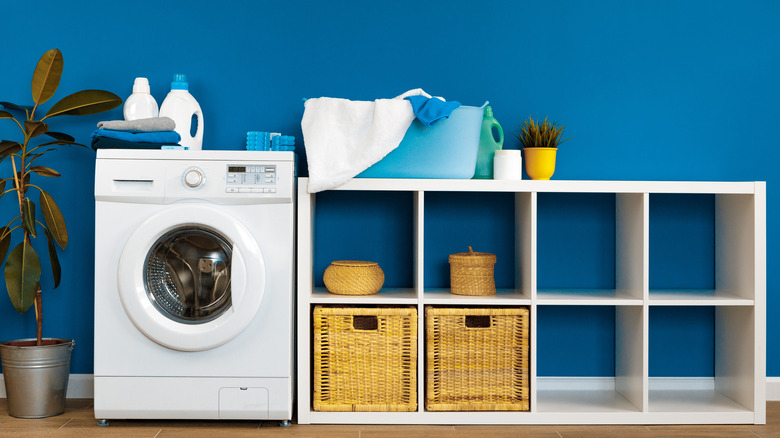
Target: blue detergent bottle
{"points": [[488, 145]]}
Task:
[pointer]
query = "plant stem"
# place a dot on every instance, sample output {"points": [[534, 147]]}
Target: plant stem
{"points": [[39, 316]]}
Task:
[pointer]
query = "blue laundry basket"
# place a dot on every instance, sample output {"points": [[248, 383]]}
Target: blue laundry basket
{"points": [[448, 149]]}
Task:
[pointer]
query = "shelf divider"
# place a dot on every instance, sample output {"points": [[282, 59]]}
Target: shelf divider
{"points": [[631, 354], [735, 245], [631, 244], [525, 243]]}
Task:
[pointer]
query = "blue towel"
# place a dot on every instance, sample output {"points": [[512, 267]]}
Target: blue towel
{"points": [[162, 137], [112, 143], [431, 110]]}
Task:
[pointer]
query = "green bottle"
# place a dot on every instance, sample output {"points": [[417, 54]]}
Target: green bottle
{"points": [[488, 145]]}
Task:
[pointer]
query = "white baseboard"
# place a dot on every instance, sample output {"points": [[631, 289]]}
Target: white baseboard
{"points": [[83, 385], [773, 388]]}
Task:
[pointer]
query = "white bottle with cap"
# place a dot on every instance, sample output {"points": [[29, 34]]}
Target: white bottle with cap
{"points": [[140, 104], [180, 106]]}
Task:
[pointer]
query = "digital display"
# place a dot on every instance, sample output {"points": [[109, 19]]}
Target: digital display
{"points": [[260, 178]]}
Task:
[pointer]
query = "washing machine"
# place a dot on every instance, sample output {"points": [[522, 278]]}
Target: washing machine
{"points": [[194, 284]]}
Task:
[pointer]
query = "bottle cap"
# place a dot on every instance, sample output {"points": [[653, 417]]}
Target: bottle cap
{"points": [[141, 85], [488, 111], [179, 82]]}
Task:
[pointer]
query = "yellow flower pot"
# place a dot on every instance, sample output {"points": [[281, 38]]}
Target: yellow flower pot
{"points": [[539, 162]]}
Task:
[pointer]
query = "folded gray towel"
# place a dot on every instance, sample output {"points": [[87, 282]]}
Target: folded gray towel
{"points": [[152, 124]]}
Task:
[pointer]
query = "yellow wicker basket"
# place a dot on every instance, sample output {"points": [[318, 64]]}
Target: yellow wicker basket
{"points": [[353, 277], [477, 359], [471, 273], [365, 359]]}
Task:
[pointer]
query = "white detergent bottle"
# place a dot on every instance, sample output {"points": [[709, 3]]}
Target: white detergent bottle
{"points": [[140, 104], [180, 106]]}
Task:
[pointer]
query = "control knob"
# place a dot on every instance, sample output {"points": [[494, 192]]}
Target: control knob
{"points": [[193, 177]]}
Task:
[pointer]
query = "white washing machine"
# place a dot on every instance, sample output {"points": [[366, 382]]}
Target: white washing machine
{"points": [[194, 284]]}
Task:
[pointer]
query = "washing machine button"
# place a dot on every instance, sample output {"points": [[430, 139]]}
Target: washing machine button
{"points": [[231, 190]]}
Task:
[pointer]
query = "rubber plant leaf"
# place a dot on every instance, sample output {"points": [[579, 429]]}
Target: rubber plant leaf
{"points": [[45, 171], [54, 219], [28, 217], [6, 115], [46, 77], [14, 106], [22, 276], [35, 128], [62, 142], [60, 136], [9, 147], [83, 103], [56, 269], [5, 242]]}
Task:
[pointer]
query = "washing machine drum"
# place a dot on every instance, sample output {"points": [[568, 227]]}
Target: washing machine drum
{"points": [[188, 275]]}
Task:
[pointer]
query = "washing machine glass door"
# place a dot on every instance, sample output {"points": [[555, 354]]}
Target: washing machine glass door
{"points": [[191, 277], [187, 274]]}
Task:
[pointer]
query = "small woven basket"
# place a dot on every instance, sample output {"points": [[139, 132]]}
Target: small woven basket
{"points": [[471, 273], [353, 277], [365, 359], [477, 359]]}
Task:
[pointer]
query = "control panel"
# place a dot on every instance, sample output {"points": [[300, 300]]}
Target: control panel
{"points": [[244, 178]]}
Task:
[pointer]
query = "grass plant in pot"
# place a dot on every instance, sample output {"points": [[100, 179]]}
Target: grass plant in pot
{"points": [[540, 144], [36, 370]]}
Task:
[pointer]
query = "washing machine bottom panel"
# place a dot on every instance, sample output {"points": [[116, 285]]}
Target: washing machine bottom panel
{"points": [[193, 398]]}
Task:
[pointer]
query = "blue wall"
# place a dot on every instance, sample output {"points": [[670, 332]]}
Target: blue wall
{"points": [[661, 90]]}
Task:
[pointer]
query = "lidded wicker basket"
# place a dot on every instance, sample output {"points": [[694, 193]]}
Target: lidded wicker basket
{"points": [[471, 273], [353, 277]]}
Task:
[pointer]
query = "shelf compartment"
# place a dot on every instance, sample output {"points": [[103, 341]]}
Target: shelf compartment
{"points": [[455, 221], [591, 247], [725, 383], [376, 227], [600, 351], [702, 249]]}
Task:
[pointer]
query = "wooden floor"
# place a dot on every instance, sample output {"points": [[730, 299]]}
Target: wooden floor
{"points": [[78, 421]]}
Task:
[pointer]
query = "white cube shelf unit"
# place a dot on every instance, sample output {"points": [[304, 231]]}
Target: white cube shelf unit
{"points": [[734, 394]]}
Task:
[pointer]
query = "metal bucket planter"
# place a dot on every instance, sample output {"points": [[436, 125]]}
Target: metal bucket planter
{"points": [[36, 377]]}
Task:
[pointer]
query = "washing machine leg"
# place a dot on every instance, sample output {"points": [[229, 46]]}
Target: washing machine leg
{"points": [[102, 422], [284, 423]]}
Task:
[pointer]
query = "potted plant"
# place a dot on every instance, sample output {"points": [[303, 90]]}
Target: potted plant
{"points": [[33, 390], [540, 143]]}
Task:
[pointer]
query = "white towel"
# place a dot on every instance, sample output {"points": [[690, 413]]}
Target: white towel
{"points": [[344, 137]]}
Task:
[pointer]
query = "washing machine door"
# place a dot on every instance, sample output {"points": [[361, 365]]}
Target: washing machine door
{"points": [[191, 277]]}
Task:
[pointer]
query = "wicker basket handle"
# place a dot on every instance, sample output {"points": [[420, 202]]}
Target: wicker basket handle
{"points": [[365, 322], [477, 321]]}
